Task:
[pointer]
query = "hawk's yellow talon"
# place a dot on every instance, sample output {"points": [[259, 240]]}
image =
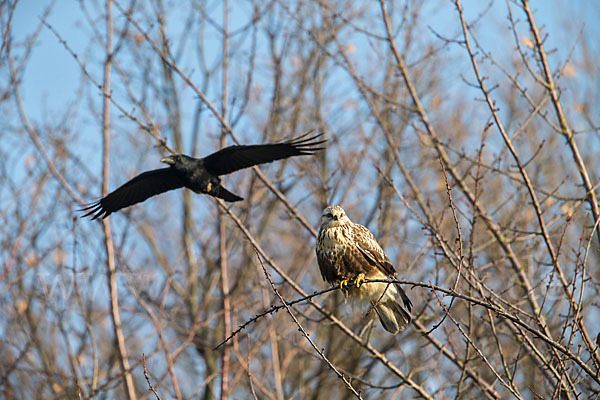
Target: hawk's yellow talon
{"points": [[359, 280], [343, 283]]}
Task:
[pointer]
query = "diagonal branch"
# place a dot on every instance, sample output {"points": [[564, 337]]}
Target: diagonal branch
{"points": [[566, 130]]}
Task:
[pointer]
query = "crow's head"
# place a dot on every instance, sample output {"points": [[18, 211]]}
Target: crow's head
{"points": [[178, 161], [172, 159]]}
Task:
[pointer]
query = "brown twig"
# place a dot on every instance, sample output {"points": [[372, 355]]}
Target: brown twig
{"points": [[147, 376], [459, 241]]}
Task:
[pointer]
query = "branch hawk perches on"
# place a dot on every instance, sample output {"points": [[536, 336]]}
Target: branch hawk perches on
{"points": [[347, 251]]}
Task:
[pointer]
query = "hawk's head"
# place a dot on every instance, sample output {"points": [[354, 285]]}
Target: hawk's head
{"points": [[334, 216]]}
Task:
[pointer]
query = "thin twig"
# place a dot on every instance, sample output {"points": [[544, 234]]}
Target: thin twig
{"points": [[460, 244], [147, 376]]}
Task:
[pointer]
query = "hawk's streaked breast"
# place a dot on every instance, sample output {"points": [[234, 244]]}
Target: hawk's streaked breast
{"points": [[336, 238]]}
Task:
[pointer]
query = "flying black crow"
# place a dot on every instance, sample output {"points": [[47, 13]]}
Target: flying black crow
{"points": [[201, 175]]}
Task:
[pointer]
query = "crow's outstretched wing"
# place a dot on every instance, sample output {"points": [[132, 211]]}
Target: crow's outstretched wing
{"points": [[138, 189], [234, 158]]}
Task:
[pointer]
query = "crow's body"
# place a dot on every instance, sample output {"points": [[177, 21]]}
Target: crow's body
{"points": [[200, 174]]}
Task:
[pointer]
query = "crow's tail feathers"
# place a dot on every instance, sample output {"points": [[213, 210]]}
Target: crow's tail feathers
{"points": [[227, 195]]}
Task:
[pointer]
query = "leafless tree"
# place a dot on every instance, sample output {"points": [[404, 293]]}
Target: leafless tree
{"points": [[463, 134]]}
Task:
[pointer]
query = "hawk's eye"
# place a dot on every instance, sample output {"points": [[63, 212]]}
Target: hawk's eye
{"points": [[329, 215]]}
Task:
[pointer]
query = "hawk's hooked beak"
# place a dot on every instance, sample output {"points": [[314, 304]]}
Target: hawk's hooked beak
{"points": [[336, 217], [168, 160]]}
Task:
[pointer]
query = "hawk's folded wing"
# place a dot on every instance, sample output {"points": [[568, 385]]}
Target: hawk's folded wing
{"points": [[370, 249]]}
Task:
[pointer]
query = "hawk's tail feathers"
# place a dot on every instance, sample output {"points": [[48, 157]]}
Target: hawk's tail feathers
{"points": [[392, 316], [387, 300]]}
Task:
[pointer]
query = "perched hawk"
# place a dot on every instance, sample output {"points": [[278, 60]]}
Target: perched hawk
{"points": [[348, 252]]}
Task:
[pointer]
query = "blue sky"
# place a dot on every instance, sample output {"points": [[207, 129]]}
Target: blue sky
{"points": [[52, 76]]}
